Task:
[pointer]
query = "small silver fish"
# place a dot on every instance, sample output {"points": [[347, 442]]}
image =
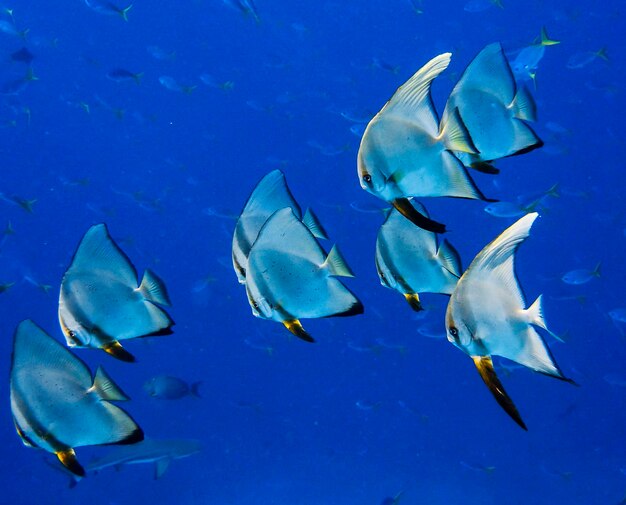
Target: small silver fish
{"points": [[581, 276], [108, 8], [168, 387]]}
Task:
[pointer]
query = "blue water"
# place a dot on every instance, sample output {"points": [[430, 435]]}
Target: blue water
{"points": [[346, 420]]}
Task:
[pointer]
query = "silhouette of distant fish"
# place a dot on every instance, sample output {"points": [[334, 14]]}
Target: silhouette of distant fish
{"points": [[55, 403], [158, 452], [23, 56], [168, 387]]}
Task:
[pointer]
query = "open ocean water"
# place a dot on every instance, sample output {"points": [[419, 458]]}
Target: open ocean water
{"points": [[382, 406]]}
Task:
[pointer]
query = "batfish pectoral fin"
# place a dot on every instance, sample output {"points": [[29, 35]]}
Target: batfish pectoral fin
{"points": [[295, 327], [413, 300], [116, 350], [68, 459], [484, 364], [404, 207]]}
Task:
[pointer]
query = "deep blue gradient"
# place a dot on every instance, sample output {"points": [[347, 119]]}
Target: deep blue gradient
{"points": [[347, 420]]}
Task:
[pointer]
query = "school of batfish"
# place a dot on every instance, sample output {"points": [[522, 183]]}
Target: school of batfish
{"points": [[406, 152]]}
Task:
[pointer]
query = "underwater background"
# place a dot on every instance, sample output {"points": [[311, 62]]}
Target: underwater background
{"points": [[381, 403]]}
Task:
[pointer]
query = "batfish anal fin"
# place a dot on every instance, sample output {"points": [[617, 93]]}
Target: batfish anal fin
{"points": [[68, 459], [116, 350], [404, 207], [484, 364], [295, 327], [413, 300]]}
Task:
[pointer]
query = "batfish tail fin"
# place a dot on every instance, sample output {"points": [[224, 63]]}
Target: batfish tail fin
{"points": [[153, 289], [105, 388], [336, 264]]}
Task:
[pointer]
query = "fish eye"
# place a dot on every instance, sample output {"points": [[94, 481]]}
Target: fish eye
{"points": [[367, 178], [454, 332]]}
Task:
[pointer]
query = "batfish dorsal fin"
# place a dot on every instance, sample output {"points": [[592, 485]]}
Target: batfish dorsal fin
{"points": [[485, 368], [97, 251], [271, 194], [496, 260], [490, 72], [412, 100]]}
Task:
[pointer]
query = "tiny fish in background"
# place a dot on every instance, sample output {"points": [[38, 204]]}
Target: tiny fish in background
{"points": [[581, 276], [168, 387]]}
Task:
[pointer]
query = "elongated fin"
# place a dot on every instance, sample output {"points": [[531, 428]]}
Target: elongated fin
{"points": [[500, 251], [484, 364], [295, 327], [124, 12], [313, 224], [596, 270], [404, 207], [449, 258], [97, 251], [336, 264], [545, 40], [105, 388], [271, 194], [69, 461], [412, 100], [524, 106], [161, 466], [414, 302], [456, 135], [116, 350], [153, 289], [603, 54]]}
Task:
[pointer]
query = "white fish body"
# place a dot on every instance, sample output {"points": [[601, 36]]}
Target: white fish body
{"points": [[486, 314], [492, 108], [100, 302], [55, 403], [409, 260], [290, 278], [405, 151]]}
